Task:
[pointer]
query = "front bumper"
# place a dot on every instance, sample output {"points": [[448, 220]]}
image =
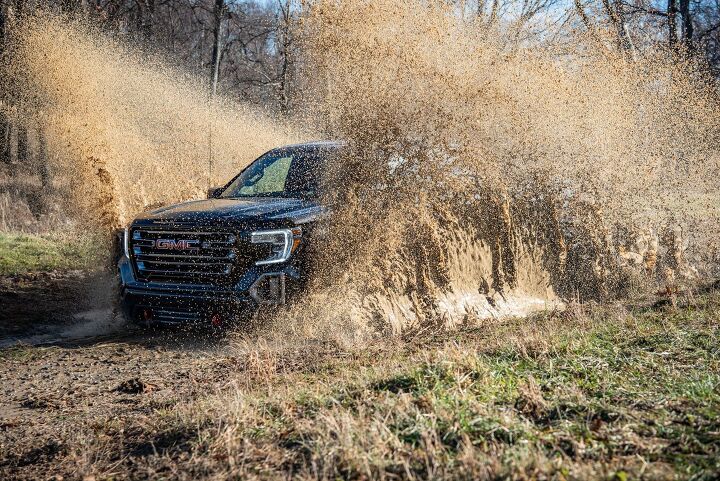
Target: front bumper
{"points": [[159, 303], [147, 306]]}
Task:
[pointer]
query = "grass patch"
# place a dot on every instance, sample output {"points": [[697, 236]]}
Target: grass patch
{"points": [[20, 253], [18, 353], [606, 396], [601, 394]]}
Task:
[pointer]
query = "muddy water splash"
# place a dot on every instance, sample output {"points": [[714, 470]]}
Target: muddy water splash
{"points": [[482, 178], [125, 130], [484, 175]]}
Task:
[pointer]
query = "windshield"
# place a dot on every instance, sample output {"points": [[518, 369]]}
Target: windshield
{"points": [[279, 173]]}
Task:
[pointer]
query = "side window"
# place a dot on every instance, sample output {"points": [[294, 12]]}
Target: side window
{"points": [[303, 178], [269, 180]]}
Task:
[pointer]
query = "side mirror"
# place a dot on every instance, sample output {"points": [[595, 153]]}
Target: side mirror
{"points": [[214, 192]]}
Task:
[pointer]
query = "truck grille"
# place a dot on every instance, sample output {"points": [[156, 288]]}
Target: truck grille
{"points": [[185, 256]]}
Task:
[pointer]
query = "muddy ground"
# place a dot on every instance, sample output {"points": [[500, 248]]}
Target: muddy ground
{"points": [[36, 303], [52, 396], [84, 396], [65, 363]]}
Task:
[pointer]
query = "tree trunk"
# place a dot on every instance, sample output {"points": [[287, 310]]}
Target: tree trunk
{"points": [[622, 28], [583, 15], [5, 125], [149, 18], [3, 23], [5, 131], [43, 161], [219, 12], [23, 152], [687, 25], [19, 8], [672, 27], [285, 54]]}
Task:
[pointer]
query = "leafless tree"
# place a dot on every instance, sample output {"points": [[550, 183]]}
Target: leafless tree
{"points": [[219, 17], [688, 28], [5, 125]]}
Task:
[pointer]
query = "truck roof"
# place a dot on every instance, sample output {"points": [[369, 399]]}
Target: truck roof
{"points": [[315, 144]]}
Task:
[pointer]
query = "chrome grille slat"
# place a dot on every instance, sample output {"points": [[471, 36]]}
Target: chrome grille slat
{"points": [[175, 314], [186, 232], [176, 274], [135, 244], [165, 256], [176, 263], [212, 259]]}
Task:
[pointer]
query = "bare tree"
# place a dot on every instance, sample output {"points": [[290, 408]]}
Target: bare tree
{"points": [[23, 145], [5, 127], [616, 14], [284, 53], [5, 133], [612, 15], [687, 28], [672, 24], [219, 14], [488, 11], [43, 161]]}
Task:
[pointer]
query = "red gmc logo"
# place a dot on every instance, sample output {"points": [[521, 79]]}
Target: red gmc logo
{"points": [[177, 245]]}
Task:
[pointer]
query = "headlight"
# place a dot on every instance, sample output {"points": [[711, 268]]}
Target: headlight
{"points": [[283, 243], [126, 242]]}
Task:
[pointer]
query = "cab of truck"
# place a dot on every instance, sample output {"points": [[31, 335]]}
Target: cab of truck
{"points": [[220, 259]]}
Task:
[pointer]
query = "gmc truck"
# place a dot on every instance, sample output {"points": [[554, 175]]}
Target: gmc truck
{"points": [[217, 261]]}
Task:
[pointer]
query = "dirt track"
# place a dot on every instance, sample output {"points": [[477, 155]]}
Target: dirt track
{"points": [[127, 404], [55, 396], [46, 303], [86, 370]]}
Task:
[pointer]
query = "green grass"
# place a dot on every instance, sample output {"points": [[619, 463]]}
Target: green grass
{"points": [[635, 396], [598, 393], [21, 253]]}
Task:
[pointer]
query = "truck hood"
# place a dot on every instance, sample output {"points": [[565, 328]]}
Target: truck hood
{"points": [[255, 209]]}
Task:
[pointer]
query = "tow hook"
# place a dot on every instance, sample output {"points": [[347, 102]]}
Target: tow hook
{"points": [[216, 320]]}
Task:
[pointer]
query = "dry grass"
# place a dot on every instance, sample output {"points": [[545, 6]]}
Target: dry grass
{"points": [[589, 393]]}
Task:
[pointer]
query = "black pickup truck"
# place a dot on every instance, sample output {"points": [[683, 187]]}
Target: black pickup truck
{"points": [[218, 260]]}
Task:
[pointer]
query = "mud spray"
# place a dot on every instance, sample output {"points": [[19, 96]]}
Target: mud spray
{"points": [[488, 177], [125, 130], [483, 178]]}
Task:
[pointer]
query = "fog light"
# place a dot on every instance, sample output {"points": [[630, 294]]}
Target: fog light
{"points": [[269, 289]]}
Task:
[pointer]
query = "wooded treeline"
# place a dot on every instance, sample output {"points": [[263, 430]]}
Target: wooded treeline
{"points": [[247, 48]]}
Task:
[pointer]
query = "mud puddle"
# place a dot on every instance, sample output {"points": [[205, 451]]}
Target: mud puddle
{"points": [[57, 307], [85, 326]]}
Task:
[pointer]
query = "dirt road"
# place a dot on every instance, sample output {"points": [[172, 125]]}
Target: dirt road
{"points": [[68, 365]]}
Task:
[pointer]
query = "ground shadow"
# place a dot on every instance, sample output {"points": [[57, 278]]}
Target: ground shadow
{"points": [[30, 300], [75, 309]]}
